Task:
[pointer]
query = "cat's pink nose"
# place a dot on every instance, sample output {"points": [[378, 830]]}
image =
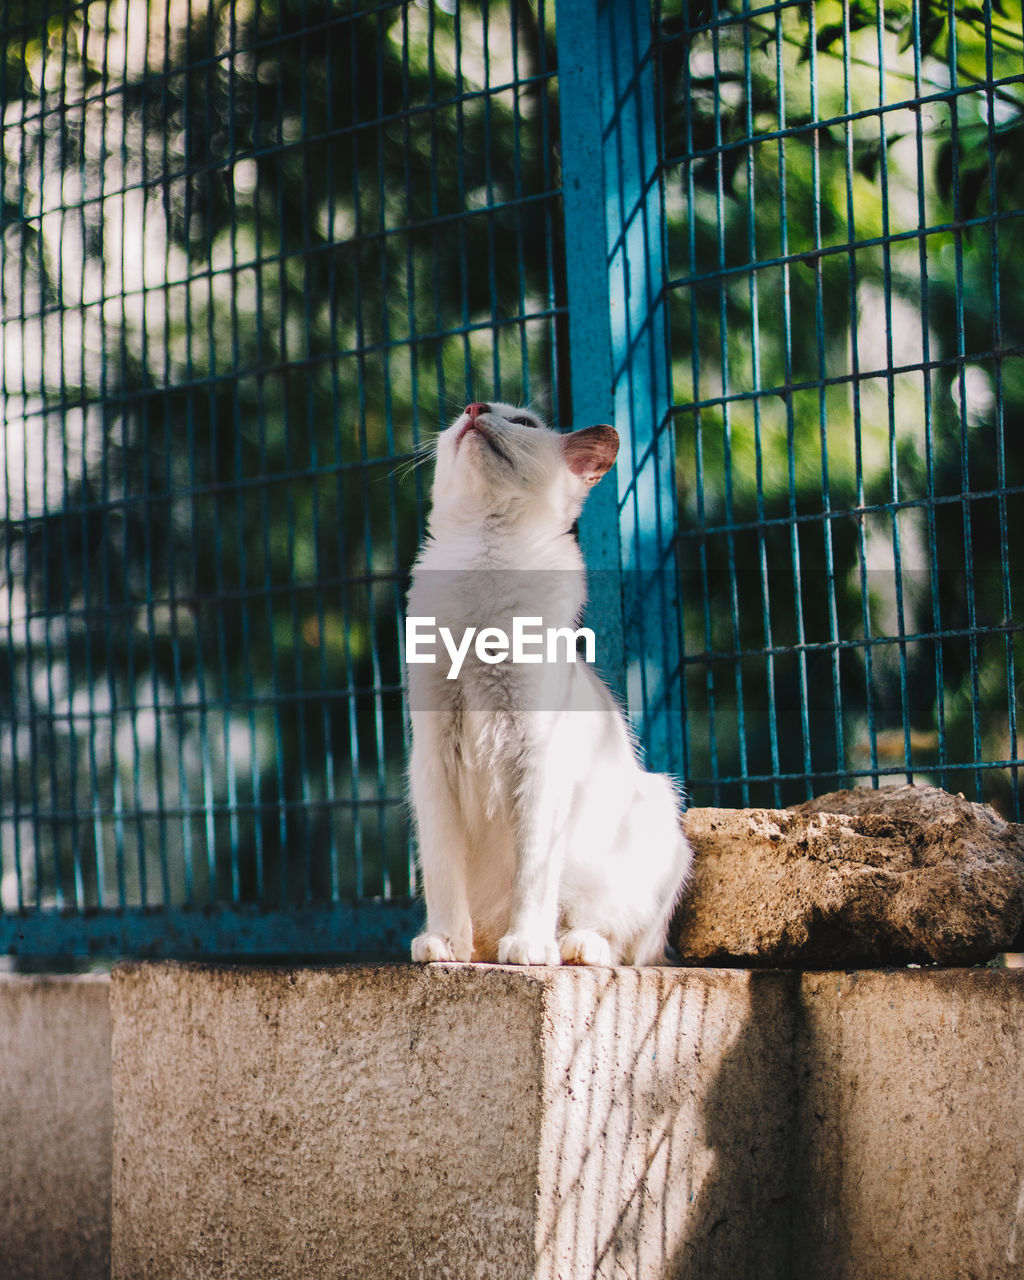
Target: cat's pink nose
{"points": [[473, 411]]}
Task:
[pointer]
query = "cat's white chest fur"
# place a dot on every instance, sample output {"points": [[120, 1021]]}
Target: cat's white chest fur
{"points": [[541, 838]]}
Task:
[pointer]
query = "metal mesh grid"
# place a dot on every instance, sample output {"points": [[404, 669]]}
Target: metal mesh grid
{"points": [[844, 196], [251, 250]]}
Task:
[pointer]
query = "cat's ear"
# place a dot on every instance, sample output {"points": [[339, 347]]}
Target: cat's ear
{"points": [[590, 453]]}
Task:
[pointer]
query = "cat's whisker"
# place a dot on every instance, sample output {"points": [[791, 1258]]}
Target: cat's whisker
{"points": [[422, 453], [516, 449], [403, 472]]}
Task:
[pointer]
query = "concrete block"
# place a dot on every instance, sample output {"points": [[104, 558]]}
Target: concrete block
{"points": [[909, 1156], [56, 1117]]}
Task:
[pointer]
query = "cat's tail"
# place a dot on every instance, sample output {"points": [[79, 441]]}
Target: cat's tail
{"points": [[649, 948]]}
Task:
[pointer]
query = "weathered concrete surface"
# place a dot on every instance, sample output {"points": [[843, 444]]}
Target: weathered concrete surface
{"points": [[909, 1160], [56, 1118], [861, 877], [474, 1121], [356, 1122]]}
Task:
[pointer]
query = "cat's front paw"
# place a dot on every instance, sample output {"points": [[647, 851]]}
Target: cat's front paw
{"points": [[431, 948], [585, 946], [523, 948]]}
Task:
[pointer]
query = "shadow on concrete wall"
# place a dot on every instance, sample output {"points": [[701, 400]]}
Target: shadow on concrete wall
{"points": [[740, 1223]]}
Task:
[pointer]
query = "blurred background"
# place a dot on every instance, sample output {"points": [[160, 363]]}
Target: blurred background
{"points": [[255, 252]]}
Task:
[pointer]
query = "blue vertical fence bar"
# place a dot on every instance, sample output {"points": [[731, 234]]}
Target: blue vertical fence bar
{"points": [[618, 342]]}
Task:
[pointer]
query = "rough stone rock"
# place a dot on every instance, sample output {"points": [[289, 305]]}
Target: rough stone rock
{"points": [[864, 877]]}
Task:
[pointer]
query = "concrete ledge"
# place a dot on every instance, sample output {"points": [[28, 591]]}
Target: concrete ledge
{"points": [[473, 1121], [56, 1117]]}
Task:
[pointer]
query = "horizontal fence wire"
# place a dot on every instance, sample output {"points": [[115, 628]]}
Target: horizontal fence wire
{"points": [[254, 254], [844, 187]]}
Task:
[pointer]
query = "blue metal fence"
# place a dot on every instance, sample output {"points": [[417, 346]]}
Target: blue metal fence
{"points": [[255, 251]]}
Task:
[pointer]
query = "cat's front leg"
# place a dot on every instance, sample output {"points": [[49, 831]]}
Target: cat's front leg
{"points": [[442, 855], [531, 935]]}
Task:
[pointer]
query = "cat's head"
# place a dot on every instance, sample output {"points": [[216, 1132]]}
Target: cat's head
{"points": [[496, 459]]}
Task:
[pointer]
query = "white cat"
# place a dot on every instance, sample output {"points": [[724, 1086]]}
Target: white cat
{"points": [[541, 838]]}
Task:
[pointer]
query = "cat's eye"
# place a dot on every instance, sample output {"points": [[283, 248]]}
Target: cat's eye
{"points": [[519, 421]]}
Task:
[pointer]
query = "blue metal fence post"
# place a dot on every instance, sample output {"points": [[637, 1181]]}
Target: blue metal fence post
{"points": [[619, 355]]}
